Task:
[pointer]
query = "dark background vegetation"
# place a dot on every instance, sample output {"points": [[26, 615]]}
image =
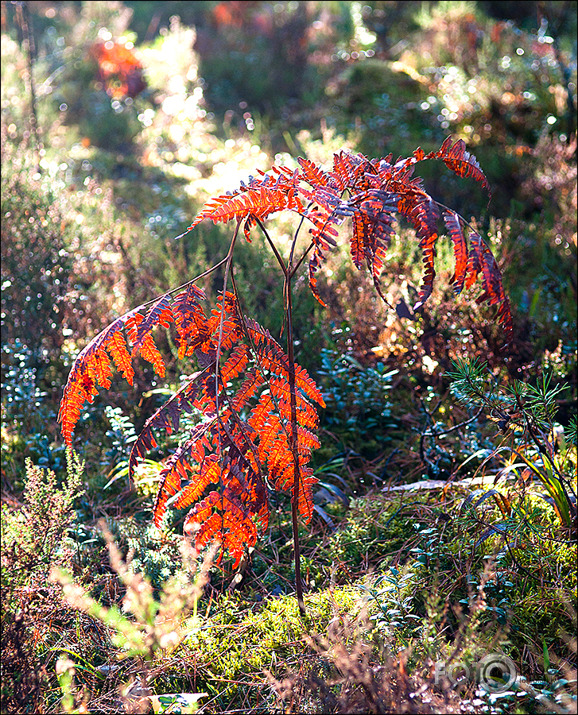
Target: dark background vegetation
{"points": [[104, 164]]}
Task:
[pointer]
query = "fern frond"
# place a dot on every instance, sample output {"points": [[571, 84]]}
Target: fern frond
{"points": [[258, 409], [178, 467], [305, 383], [348, 171], [160, 313], [260, 413], [286, 481], [249, 488], [116, 348], [420, 210], [271, 357], [455, 157], [222, 519], [314, 175], [92, 368], [454, 226], [372, 228], [193, 332], [209, 472], [224, 323], [269, 351], [167, 417], [314, 265], [235, 364], [320, 199], [253, 380], [151, 353], [460, 161], [493, 290], [260, 203]]}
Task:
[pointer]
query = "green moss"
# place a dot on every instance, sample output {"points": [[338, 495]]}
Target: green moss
{"points": [[239, 642]]}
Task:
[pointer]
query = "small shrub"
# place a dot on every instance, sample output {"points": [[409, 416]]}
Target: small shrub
{"points": [[156, 626], [33, 541], [358, 409], [34, 536], [529, 412]]}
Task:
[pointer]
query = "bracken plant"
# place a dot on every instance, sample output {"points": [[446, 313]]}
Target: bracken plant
{"points": [[258, 406]]}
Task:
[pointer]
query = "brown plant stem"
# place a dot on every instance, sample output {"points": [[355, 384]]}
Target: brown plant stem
{"points": [[293, 446], [293, 438], [288, 273]]}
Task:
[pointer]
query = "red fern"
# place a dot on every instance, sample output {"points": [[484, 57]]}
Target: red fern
{"points": [[255, 409], [167, 417], [241, 368], [314, 175], [455, 157], [92, 368], [493, 290], [257, 200], [193, 332], [178, 468], [372, 193], [221, 518], [460, 161], [454, 226]]}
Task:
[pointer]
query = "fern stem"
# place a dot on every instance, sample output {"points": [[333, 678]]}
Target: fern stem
{"points": [[294, 449], [293, 440], [295, 243], [303, 257], [288, 272]]}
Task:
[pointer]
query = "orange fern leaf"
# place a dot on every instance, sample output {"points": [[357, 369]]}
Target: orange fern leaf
{"points": [[286, 482], [253, 380], [193, 331], [372, 228], [209, 472], [92, 368], [151, 353], [249, 489], [220, 518], [178, 467], [314, 175], [167, 417], [460, 161], [493, 290], [422, 212], [257, 409], [235, 364], [260, 203], [116, 347], [454, 226]]}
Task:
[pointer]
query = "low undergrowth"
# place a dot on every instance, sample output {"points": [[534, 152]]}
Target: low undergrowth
{"points": [[405, 582]]}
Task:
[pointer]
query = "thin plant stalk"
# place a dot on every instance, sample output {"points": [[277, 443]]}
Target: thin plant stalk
{"points": [[294, 437], [289, 272]]}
